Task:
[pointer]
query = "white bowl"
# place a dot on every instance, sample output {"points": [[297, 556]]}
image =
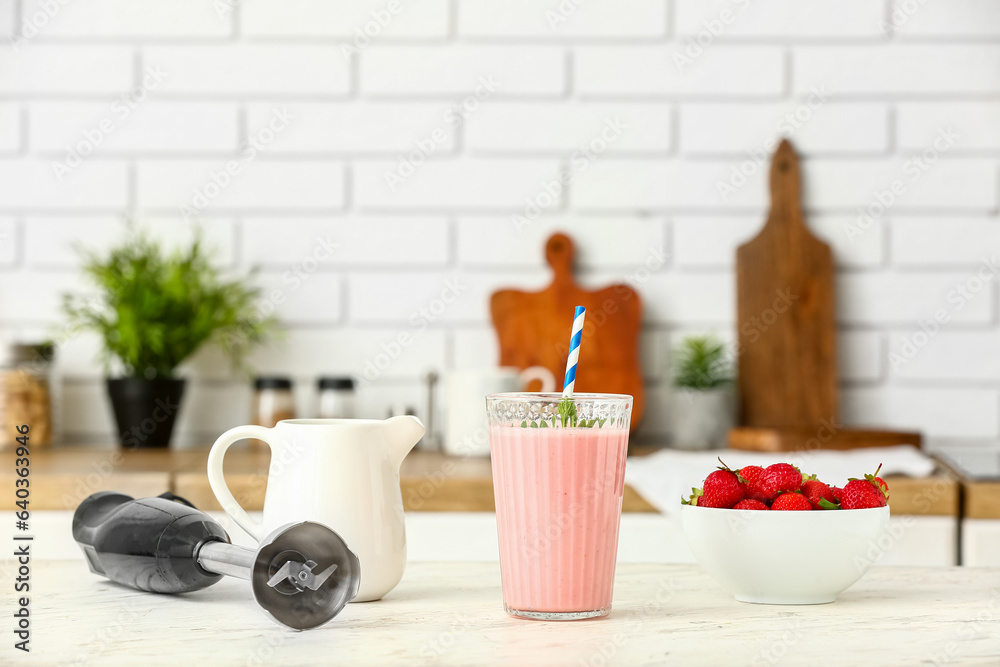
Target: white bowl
{"points": [[775, 557]]}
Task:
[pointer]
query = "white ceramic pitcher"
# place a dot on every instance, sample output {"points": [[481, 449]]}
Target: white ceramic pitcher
{"points": [[343, 473]]}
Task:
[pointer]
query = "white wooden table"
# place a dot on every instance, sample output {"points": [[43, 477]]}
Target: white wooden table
{"points": [[451, 614]]}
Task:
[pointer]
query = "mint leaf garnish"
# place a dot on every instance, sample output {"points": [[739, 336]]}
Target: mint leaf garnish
{"points": [[567, 411], [567, 416]]}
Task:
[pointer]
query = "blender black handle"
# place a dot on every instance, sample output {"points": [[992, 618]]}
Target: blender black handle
{"points": [[150, 544], [91, 514]]}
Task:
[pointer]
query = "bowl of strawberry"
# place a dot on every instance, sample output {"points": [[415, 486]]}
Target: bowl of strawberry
{"points": [[773, 535]]}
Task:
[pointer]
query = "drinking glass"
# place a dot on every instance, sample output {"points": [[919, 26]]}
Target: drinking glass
{"points": [[558, 478]]}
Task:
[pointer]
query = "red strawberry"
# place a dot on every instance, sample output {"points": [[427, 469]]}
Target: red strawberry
{"points": [[815, 490], [878, 481], [750, 504], [791, 501], [861, 494], [751, 476], [722, 488], [864, 493], [778, 478], [837, 492]]}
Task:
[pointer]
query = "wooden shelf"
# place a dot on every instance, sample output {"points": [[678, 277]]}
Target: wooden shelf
{"points": [[430, 481]]}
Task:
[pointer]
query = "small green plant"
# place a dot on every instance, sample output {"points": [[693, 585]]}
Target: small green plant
{"points": [[701, 364], [154, 309]]}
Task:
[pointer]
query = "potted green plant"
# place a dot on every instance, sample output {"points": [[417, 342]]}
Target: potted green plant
{"points": [[152, 310], [703, 383]]}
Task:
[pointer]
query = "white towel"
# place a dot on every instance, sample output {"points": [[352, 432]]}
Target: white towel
{"points": [[662, 478]]}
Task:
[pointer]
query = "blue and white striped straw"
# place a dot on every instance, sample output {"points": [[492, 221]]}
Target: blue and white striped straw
{"points": [[574, 351]]}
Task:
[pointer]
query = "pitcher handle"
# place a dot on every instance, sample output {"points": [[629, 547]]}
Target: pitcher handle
{"points": [[217, 479], [540, 373]]}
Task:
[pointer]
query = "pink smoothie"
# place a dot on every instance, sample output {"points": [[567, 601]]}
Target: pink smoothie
{"points": [[558, 499]]}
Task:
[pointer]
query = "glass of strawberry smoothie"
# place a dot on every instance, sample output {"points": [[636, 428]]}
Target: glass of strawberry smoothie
{"points": [[558, 476]]}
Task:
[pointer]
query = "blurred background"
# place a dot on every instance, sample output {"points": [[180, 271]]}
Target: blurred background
{"points": [[390, 154], [367, 175]]}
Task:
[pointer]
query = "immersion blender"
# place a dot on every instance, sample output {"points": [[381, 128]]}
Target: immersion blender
{"points": [[302, 574]]}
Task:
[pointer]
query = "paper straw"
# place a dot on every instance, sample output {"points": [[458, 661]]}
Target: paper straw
{"points": [[574, 351]]}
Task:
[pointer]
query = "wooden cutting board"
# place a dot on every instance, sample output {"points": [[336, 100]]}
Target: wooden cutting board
{"points": [[786, 327], [534, 329], [792, 438], [785, 313]]}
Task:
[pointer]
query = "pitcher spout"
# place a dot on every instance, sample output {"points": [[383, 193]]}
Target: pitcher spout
{"points": [[402, 433]]}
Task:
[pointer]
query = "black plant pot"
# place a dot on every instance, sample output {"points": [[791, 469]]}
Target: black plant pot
{"points": [[145, 410]]}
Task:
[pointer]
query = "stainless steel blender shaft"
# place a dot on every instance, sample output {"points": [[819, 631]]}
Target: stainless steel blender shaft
{"points": [[287, 581], [227, 559]]}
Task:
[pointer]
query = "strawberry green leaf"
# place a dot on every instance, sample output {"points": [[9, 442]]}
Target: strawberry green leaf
{"points": [[693, 500], [827, 505], [725, 467]]}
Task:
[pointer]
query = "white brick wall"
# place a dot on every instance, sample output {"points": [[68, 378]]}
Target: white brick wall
{"points": [[424, 71], [307, 18], [151, 127], [646, 71], [251, 69], [544, 19], [820, 18], [832, 128], [259, 184], [135, 19], [947, 18], [10, 127], [974, 122], [899, 69], [62, 69], [485, 102], [562, 127]]}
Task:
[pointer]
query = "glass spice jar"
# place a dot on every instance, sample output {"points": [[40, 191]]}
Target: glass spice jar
{"points": [[24, 393], [273, 400], [336, 398]]}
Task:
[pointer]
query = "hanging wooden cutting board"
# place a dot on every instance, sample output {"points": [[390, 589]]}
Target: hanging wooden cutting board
{"points": [[785, 313], [534, 329], [786, 327]]}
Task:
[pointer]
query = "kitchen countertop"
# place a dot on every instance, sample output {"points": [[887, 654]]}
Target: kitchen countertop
{"points": [[430, 481], [451, 614]]}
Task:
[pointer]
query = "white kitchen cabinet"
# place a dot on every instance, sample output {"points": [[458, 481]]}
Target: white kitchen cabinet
{"points": [[981, 542]]}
